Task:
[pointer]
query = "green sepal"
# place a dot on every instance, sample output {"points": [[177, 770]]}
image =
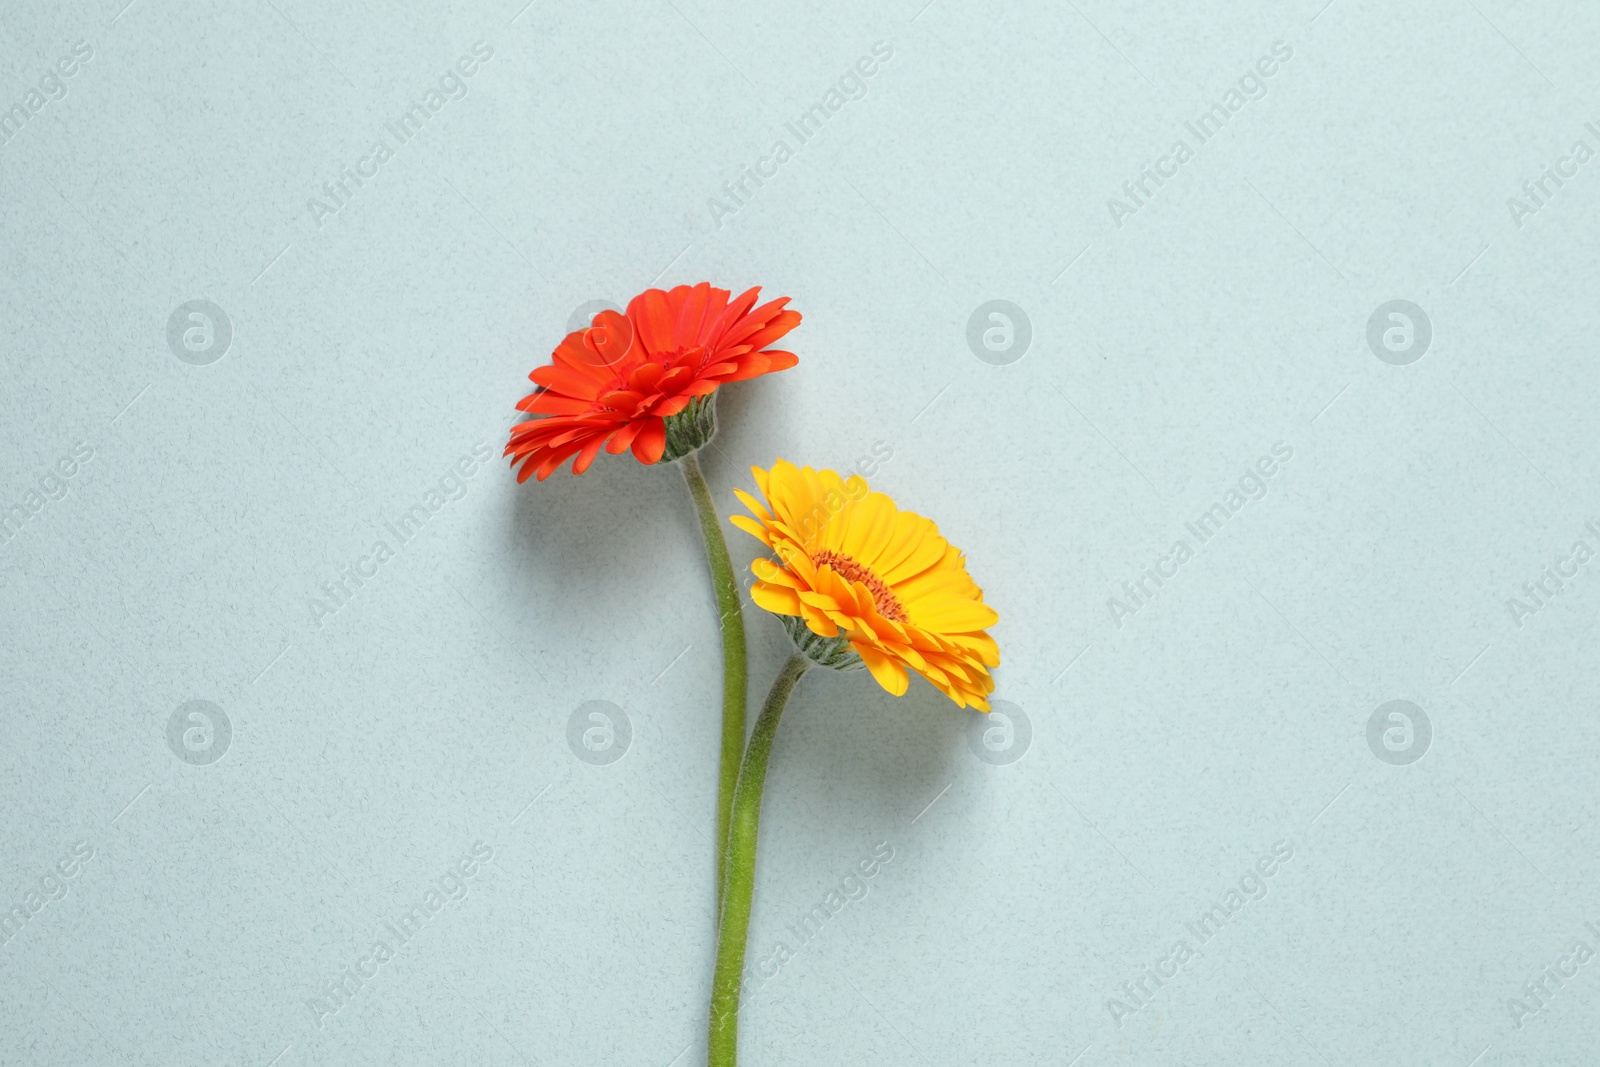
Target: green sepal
{"points": [[834, 653], [692, 428]]}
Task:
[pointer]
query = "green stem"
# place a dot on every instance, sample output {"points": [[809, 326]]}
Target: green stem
{"points": [[733, 652], [741, 869]]}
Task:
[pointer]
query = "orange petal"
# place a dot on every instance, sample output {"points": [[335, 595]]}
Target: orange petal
{"points": [[651, 442]]}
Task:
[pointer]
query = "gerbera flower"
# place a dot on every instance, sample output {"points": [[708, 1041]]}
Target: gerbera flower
{"points": [[857, 577], [647, 380]]}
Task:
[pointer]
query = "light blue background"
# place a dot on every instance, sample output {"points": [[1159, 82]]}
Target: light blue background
{"points": [[370, 352]]}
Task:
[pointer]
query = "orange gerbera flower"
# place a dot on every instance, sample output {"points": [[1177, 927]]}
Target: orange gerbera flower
{"points": [[647, 380], [866, 578]]}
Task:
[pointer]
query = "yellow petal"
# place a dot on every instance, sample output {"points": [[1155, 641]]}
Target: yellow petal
{"points": [[872, 521], [885, 671], [754, 505], [776, 599], [953, 614], [892, 583], [752, 527]]}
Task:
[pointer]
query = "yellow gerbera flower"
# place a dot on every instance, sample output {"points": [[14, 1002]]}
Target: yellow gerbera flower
{"points": [[871, 581]]}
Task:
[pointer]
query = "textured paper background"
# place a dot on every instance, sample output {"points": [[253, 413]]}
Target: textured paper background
{"points": [[1175, 338]]}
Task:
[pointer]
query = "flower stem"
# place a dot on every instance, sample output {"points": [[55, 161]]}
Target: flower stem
{"points": [[733, 653], [734, 924]]}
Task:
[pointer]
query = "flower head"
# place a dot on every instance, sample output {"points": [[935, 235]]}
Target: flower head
{"points": [[855, 569], [616, 383]]}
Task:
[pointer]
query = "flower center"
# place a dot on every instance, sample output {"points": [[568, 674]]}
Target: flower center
{"points": [[887, 603]]}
